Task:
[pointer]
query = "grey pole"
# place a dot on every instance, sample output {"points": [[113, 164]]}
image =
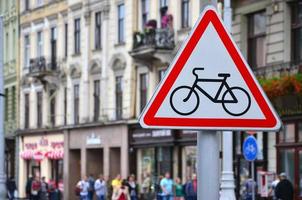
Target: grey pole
{"points": [[208, 153], [253, 178], [2, 164], [227, 177]]}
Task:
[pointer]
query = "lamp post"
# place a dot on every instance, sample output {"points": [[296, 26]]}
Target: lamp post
{"points": [[2, 164]]}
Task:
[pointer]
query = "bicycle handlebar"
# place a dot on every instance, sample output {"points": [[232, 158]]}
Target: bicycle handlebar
{"points": [[196, 69]]}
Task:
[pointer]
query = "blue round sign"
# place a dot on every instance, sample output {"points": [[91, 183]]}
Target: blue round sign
{"points": [[250, 148]]}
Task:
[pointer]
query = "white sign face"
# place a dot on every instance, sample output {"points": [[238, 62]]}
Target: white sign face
{"points": [[93, 139], [210, 86]]}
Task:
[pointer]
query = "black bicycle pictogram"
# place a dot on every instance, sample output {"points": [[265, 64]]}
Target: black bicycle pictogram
{"points": [[235, 101]]}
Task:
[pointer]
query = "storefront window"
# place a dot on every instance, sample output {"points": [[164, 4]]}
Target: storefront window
{"points": [[33, 168], [147, 162], [287, 134], [56, 170], [164, 160], [287, 163], [190, 165]]}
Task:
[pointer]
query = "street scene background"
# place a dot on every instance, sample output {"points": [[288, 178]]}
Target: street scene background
{"points": [[78, 73]]}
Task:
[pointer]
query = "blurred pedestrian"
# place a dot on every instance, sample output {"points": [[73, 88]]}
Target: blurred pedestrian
{"points": [[53, 192], [28, 187], [44, 190], [117, 182], [11, 188], [274, 184], [179, 194], [249, 186], [158, 189], [91, 187], [146, 187], [284, 189], [166, 185], [83, 185], [100, 188], [122, 192], [132, 187], [191, 188], [35, 188]]}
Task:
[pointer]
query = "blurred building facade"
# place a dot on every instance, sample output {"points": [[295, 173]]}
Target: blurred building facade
{"points": [[9, 11], [88, 68]]}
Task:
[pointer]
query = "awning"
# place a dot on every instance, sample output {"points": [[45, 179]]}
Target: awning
{"points": [[55, 154]]}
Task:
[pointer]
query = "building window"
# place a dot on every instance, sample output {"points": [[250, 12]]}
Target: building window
{"points": [[14, 43], [184, 13], [121, 21], [119, 97], [163, 8], [297, 32], [66, 40], [39, 3], [76, 103], [98, 30], [39, 44], [26, 51], [77, 36], [65, 105], [53, 46], [7, 47], [143, 91], [52, 108], [26, 111], [6, 104], [39, 109], [256, 39], [96, 97], [13, 116], [145, 12], [26, 5], [161, 74]]}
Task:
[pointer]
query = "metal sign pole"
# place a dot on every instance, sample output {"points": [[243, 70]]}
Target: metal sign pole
{"points": [[253, 177], [208, 154], [208, 165]]}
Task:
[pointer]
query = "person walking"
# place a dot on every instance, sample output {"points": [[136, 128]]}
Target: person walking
{"points": [[249, 186], [44, 190], [272, 191], [91, 187], [28, 187], [146, 187], [158, 189], [100, 188], [284, 189], [132, 187], [179, 194], [35, 188], [116, 182], [11, 188], [166, 185], [83, 185], [121, 193], [191, 188]]}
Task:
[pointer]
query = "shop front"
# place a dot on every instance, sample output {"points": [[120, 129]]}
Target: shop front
{"points": [[156, 152], [94, 150], [41, 156]]}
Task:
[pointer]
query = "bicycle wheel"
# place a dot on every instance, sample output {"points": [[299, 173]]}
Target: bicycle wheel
{"points": [[178, 103], [240, 107]]}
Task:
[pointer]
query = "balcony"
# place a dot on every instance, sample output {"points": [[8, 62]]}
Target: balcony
{"points": [[153, 44], [47, 72], [38, 67]]}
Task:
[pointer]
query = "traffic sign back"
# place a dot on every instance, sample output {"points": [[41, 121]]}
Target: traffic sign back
{"points": [[209, 85]]}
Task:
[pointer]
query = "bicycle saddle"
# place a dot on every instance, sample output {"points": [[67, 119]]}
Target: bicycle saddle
{"points": [[224, 75]]}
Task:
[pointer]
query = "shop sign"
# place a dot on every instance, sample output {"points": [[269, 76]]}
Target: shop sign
{"points": [[31, 146], [93, 139], [153, 134]]}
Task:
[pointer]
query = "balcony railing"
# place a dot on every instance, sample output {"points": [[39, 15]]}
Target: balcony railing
{"points": [[154, 38], [277, 70], [39, 66]]}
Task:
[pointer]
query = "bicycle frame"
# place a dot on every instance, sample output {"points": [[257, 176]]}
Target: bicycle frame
{"points": [[215, 99]]}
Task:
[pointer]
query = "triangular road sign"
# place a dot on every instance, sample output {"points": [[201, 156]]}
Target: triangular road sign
{"points": [[209, 85]]}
